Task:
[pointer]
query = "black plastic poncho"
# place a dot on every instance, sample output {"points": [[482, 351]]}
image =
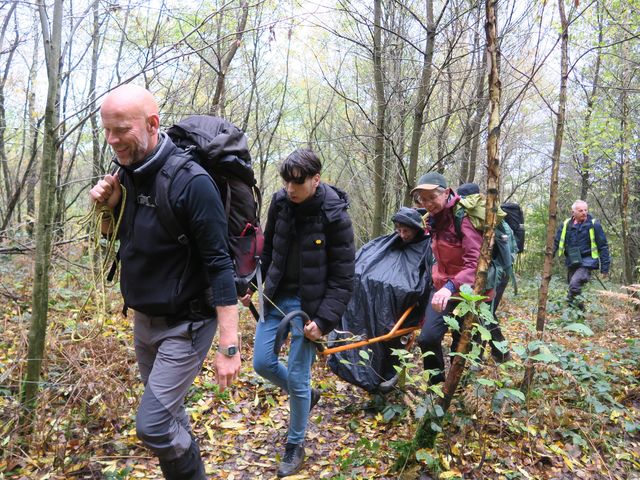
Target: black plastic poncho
{"points": [[390, 277]]}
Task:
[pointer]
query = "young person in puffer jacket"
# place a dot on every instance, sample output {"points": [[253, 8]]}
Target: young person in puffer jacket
{"points": [[308, 264]]}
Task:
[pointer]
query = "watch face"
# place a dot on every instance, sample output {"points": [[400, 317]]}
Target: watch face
{"points": [[229, 351]]}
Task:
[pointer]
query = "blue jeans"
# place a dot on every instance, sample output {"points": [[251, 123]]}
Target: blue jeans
{"points": [[295, 378]]}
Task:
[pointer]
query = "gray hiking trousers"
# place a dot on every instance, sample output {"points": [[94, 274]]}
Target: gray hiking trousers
{"points": [[169, 358]]}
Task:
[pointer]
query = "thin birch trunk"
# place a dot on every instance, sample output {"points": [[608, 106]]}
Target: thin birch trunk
{"points": [[217, 104], [422, 100], [553, 194], [378, 163], [585, 166], [44, 229], [625, 136]]}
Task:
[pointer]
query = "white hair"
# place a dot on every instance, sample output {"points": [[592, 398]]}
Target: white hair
{"points": [[579, 202]]}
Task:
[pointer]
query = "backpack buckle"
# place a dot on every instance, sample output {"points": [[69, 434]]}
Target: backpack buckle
{"points": [[145, 200]]}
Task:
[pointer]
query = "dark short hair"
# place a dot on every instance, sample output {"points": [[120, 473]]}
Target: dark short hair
{"points": [[299, 165]]}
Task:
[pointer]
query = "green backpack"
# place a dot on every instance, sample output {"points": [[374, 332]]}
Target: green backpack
{"points": [[505, 247]]}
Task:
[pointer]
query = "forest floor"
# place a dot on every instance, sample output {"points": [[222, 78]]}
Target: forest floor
{"points": [[581, 418]]}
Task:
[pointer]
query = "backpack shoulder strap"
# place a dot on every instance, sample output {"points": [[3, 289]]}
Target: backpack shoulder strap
{"points": [[458, 215], [164, 180], [511, 250]]}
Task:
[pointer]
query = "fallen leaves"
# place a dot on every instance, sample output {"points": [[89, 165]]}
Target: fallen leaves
{"points": [[86, 421]]}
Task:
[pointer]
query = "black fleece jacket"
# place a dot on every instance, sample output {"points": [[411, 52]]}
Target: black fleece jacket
{"points": [[322, 228], [159, 275]]}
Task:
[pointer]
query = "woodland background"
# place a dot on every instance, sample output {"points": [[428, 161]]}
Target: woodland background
{"points": [[384, 91]]}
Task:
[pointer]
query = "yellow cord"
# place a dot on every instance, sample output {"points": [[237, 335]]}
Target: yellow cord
{"points": [[104, 257]]}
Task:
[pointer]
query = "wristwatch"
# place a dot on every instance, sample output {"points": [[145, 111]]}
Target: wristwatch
{"points": [[229, 351]]}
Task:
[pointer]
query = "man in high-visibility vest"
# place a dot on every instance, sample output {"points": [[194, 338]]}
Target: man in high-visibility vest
{"points": [[583, 243]]}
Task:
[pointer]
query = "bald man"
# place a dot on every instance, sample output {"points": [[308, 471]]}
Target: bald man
{"points": [[179, 295], [582, 241]]}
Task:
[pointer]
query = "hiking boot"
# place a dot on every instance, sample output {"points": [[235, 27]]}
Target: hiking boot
{"points": [[187, 467], [388, 385], [315, 398], [292, 460]]}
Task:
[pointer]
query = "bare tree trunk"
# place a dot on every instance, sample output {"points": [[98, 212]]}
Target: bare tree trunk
{"points": [[271, 135], [96, 160], [253, 69], [444, 128], [67, 152], [479, 58], [624, 202], [634, 213], [553, 193], [6, 174], [28, 180], [482, 102], [123, 39], [585, 164], [625, 136], [398, 180], [51, 35], [378, 163], [422, 99], [34, 130], [217, 103]]}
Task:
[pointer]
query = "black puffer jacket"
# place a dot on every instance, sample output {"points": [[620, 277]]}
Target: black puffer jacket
{"points": [[326, 262]]}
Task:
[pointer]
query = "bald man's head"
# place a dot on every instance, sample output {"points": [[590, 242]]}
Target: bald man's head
{"points": [[131, 123]]}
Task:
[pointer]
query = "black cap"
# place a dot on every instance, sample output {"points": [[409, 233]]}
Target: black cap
{"points": [[468, 189], [409, 217], [430, 181]]}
